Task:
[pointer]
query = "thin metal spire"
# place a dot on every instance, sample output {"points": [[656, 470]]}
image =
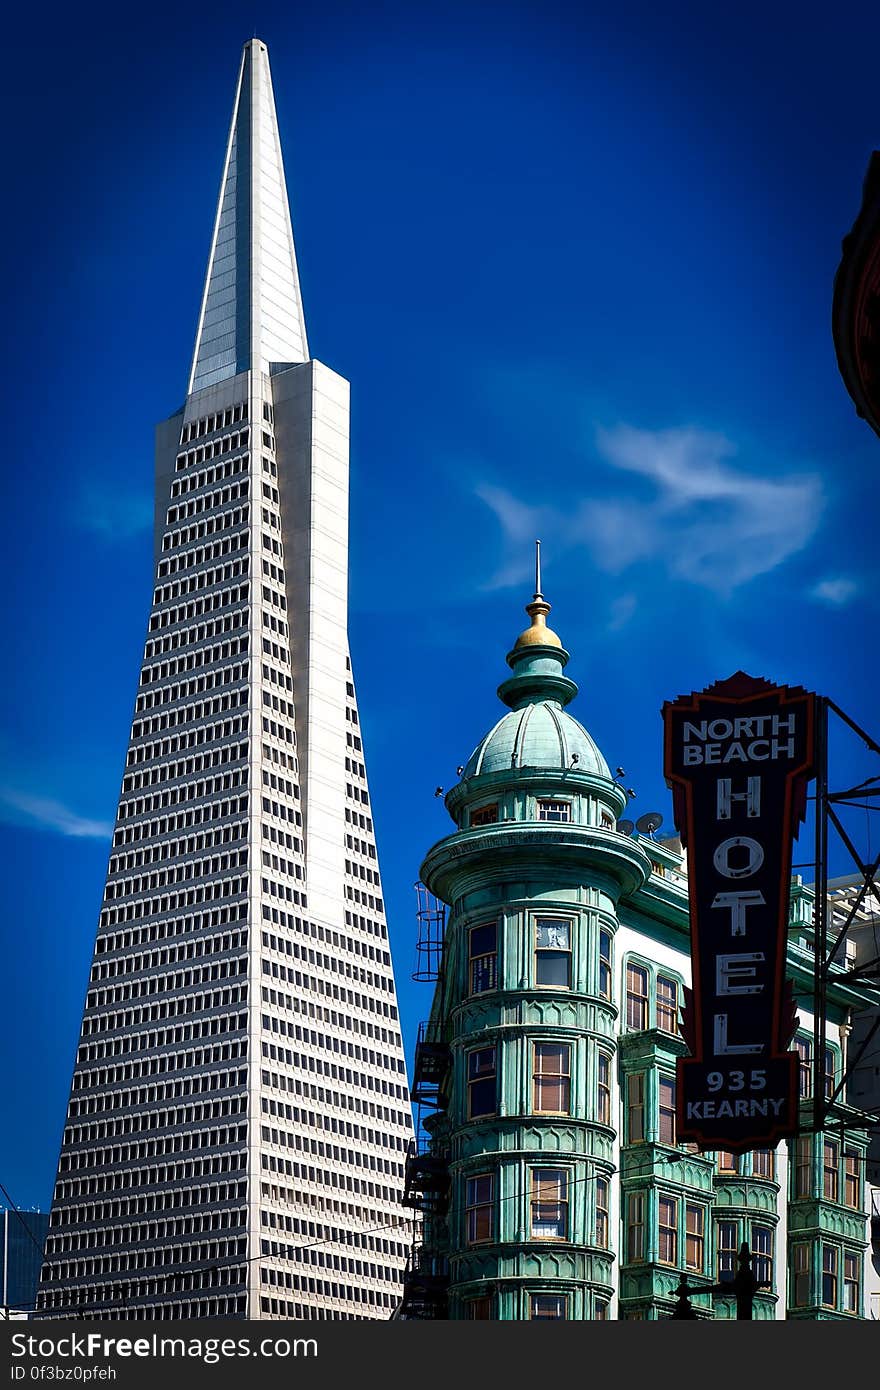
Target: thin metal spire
{"points": [[538, 570]]}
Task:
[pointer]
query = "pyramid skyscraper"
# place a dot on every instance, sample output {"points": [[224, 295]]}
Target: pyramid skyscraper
{"points": [[239, 1113]]}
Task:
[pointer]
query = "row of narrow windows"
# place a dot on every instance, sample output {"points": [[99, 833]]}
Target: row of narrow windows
{"points": [[196, 608], [162, 1037], [153, 1148], [336, 964], [201, 554], [184, 767], [107, 1301], [206, 656], [208, 424], [168, 1062], [196, 1223], [211, 680], [109, 969], [188, 791], [207, 579], [161, 984], [155, 1119], [206, 477], [207, 502], [142, 1203], [201, 1084], [346, 1129], [178, 873], [155, 1259], [167, 1008], [325, 1095], [157, 1175], [324, 1177], [335, 1043], [329, 1259], [191, 636], [189, 738], [309, 1061], [170, 849], [179, 926], [223, 521], [193, 714]]}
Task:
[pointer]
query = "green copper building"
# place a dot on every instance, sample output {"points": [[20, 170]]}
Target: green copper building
{"points": [[549, 1174]]}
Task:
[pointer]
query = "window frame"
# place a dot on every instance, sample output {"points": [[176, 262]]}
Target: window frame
{"points": [[473, 1206], [767, 1160], [635, 1080], [561, 1302], [667, 1230], [636, 1227], [804, 1049], [695, 1240], [830, 1170], [603, 1087], [554, 951], [602, 1227], [481, 815], [829, 1072], [476, 1080], [830, 1272], [542, 1079], [851, 1286], [637, 1004], [563, 1177], [723, 1251], [547, 806], [803, 1167], [668, 1010], [852, 1178], [605, 975], [666, 1113], [763, 1260], [801, 1274], [484, 956]]}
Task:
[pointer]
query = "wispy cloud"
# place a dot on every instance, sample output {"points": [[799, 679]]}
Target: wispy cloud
{"points": [[835, 592], [521, 525], [113, 514], [695, 514], [622, 609], [19, 807]]}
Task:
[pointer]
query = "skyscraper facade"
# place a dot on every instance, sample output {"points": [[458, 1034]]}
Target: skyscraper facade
{"points": [[239, 1112], [22, 1234]]}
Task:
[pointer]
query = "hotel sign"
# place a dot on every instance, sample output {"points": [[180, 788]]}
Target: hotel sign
{"points": [[738, 757]]}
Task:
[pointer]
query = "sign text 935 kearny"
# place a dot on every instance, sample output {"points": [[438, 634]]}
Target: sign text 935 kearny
{"points": [[738, 757]]}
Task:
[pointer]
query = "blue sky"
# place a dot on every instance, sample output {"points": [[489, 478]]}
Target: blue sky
{"points": [[577, 265]]}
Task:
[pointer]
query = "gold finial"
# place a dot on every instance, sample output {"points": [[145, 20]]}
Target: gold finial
{"points": [[539, 634]]}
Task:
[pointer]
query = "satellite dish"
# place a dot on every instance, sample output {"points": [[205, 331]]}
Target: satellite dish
{"points": [[649, 822], [625, 827]]}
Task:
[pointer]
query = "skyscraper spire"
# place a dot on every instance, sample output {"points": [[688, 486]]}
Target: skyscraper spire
{"points": [[252, 315]]}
